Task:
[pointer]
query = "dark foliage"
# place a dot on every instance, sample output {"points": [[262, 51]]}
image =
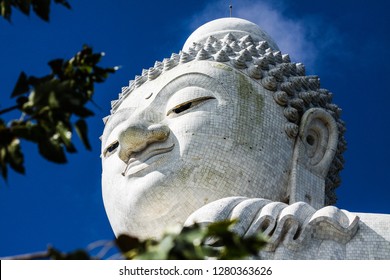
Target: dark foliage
{"points": [[40, 7], [215, 241], [52, 108]]}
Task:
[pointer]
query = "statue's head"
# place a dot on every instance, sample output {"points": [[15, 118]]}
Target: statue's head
{"points": [[227, 116]]}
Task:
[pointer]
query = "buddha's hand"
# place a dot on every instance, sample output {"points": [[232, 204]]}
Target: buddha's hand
{"points": [[291, 224], [242, 209]]}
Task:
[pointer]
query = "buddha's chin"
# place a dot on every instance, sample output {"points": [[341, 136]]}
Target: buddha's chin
{"points": [[146, 211], [148, 223]]}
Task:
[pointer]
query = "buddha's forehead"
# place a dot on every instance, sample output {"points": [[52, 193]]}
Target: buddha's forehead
{"points": [[218, 78]]}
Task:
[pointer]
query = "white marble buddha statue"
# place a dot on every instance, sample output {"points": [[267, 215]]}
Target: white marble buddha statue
{"points": [[231, 128]]}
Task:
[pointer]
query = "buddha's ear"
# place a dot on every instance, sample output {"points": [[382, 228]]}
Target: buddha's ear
{"points": [[314, 150], [318, 137]]}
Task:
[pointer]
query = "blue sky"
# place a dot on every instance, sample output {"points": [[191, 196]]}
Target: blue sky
{"points": [[345, 42]]}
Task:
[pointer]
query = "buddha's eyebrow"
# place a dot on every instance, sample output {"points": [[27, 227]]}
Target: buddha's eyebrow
{"points": [[178, 83], [115, 120]]}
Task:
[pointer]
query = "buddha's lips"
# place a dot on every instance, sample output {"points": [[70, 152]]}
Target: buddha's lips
{"points": [[140, 158]]}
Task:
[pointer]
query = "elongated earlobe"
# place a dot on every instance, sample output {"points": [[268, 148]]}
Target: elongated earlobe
{"points": [[314, 150]]}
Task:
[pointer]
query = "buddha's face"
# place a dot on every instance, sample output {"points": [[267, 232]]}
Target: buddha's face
{"points": [[199, 132]]}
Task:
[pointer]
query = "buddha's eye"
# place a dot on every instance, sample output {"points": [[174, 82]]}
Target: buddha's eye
{"points": [[188, 105], [111, 149]]}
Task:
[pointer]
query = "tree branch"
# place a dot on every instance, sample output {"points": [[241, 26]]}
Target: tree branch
{"points": [[30, 256], [9, 109]]}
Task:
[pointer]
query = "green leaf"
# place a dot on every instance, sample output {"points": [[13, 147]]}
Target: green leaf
{"points": [[83, 112], [65, 133], [52, 151], [71, 148], [42, 95], [21, 86], [64, 3], [82, 130], [15, 156], [159, 251], [42, 8], [21, 131], [56, 65], [53, 100], [28, 130], [3, 163], [36, 81], [75, 255], [126, 243], [24, 6], [5, 9], [21, 100]]}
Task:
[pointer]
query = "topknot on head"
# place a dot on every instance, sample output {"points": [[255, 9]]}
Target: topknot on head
{"points": [[229, 31]]}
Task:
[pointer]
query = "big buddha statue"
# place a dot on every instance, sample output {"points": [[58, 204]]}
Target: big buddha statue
{"points": [[230, 128]]}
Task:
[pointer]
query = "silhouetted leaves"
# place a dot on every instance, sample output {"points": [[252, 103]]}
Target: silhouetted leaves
{"points": [[55, 254], [127, 243], [10, 151], [63, 2], [190, 243], [216, 240], [48, 105], [52, 150], [56, 65], [21, 86], [15, 158], [82, 129], [40, 7]]}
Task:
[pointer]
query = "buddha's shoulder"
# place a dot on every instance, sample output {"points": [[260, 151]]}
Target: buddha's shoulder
{"points": [[372, 240]]}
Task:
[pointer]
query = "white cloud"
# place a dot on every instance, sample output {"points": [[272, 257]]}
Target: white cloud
{"points": [[305, 39]]}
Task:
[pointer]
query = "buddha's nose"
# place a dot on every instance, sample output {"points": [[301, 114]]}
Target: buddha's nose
{"points": [[137, 137]]}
